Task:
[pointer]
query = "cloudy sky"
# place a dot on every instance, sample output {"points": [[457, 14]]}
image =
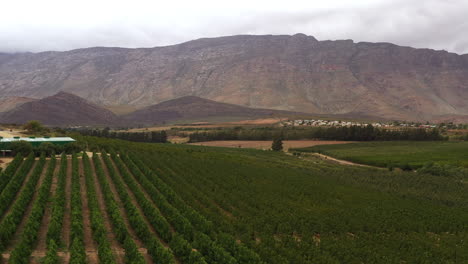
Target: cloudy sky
{"points": [[32, 25]]}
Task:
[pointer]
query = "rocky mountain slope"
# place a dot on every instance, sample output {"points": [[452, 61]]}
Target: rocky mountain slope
{"points": [[9, 103], [295, 73], [192, 107], [61, 109]]}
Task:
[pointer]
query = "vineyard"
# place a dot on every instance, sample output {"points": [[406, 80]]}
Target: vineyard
{"points": [[398, 153], [104, 209], [161, 203]]}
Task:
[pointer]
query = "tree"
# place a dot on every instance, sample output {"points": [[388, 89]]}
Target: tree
{"points": [[33, 126], [22, 147], [277, 144], [47, 148], [73, 147]]}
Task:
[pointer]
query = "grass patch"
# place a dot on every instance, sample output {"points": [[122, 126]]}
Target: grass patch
{"points": [[398, 154]]}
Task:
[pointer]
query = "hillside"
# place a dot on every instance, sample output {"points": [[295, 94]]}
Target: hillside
{"points": [[60, 110], [192, 107], [9, 103], [297, 73]]}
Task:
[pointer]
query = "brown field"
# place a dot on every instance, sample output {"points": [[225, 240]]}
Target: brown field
{"points": [[252, 122], [178, 140], [287, 144]]}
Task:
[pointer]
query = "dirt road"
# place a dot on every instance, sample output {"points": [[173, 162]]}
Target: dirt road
{"points": [[341, 162]]}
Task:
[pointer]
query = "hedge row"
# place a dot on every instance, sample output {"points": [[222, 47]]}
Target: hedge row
{"points": [[132, 255], [77, 249], [159, 254], [24, 248], [11, 221], [97, 223], [180, 246]]}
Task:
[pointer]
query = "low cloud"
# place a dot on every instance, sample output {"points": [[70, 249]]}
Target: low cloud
{"points": [[63, 25]]}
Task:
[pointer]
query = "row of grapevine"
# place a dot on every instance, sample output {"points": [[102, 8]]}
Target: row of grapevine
{"points": [[211, 249], [180, 246], [11, 221], [51, 255], [215, 207], [77, 250], [58, 207], [239, 251], [14, 185], [97, 224], [6, 175], [203, 187], [23, 249], [157, 251], [132, 255]]}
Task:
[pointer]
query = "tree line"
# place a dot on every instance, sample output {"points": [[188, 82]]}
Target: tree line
{"points": [[353, 133], [24, 148], [149, 137]]}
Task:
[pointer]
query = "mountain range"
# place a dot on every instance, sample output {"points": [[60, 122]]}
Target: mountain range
{"points": [[65, 109], [295, 73]]}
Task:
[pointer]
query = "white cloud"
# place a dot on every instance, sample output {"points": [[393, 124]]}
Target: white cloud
{"points": [[31, 25]]}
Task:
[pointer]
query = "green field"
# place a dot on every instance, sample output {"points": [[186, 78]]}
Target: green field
{"points": [[290, 210], [398, 153]]}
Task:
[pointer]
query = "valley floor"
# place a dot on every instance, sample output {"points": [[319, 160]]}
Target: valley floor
{"points": [[175, 203], [266, 144]]}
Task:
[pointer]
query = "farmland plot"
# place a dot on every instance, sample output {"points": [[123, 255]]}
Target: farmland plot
{"points": [[74, 209], [162, 203]]}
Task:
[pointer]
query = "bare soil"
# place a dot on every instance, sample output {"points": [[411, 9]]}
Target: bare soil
{"points": [[177, 140], [339, 161], [265, 145], [247, 122], [13, 133], [4, 162]]}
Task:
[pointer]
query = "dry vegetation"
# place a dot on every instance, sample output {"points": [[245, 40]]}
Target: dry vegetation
{"points": [[201, 125]]}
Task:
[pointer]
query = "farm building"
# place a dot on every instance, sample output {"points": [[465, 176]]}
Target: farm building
{"points": [[35, 141]]}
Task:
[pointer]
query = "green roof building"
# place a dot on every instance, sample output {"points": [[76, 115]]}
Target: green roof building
{"points": [[35, 141]]}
